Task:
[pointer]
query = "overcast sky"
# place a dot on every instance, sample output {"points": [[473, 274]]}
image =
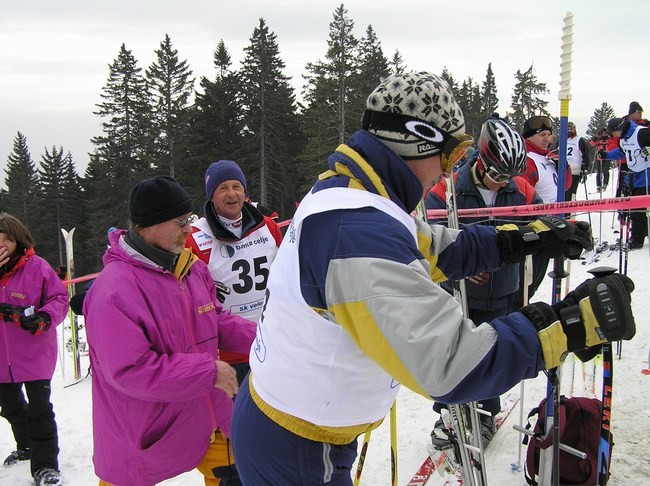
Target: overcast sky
{"points": [[54, 54]]}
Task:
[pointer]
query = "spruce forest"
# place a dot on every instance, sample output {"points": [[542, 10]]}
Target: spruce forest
{"points": [[163, 121]]}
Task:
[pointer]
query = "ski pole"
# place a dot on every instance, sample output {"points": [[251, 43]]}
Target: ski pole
{"points": [[584, 183], [393, 443], [528, 278], [552, 463], [456, 411], [604, 447], [362, 458]]}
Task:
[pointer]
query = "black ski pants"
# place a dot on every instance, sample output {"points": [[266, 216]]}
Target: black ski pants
{"points": [[32, 421], [639, 219]]}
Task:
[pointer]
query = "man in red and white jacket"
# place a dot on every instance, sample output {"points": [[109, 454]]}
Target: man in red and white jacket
{"points": [[238, 243], [541, 171]]}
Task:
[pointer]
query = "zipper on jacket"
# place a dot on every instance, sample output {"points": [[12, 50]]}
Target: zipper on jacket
{"points": [[6, 340], [213, 418]]}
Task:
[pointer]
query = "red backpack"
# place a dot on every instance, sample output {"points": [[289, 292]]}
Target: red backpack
{"points": [[579, 428]]}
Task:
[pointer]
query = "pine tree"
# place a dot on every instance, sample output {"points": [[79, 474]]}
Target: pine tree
{"points": [[51, 201], [371, 69], [329, 81], [397, 63], [326, 119], [126, 124], [216, 127], [468, 98], [98, 185], [270, 119], [525, 101], [22, 183], [123, 150], [171, 87], [489, 97], [447, 76], [599, 119], [74, 215]]}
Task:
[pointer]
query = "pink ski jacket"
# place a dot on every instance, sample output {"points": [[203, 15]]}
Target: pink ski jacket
{"points": [[24, 357], [153, 343]]}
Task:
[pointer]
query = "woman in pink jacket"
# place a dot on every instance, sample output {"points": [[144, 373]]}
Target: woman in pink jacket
{"points": [[33, 301], [154, 324]]}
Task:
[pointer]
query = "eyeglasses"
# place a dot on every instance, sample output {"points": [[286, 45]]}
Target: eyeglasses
{"points": [[192, 218], [540, 123], [497, 177]]}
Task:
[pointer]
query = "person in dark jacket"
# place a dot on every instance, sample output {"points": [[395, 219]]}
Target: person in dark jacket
{"points": [[491, 178], [638, 181]]}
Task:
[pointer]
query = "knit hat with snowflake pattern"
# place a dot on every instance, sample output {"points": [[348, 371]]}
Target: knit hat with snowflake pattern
{"points": [[424, 96]]}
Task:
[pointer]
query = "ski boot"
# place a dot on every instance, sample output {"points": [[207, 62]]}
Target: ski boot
{"points": [[18, 455]]}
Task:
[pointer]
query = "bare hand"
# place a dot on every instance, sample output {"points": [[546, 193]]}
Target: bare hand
{"points": [[4, 256], [226, 379]]}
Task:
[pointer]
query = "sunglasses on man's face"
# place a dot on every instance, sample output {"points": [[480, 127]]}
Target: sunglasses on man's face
{"points": [[184, 222], [541, 122]]}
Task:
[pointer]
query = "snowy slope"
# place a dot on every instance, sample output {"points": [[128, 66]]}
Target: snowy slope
{"points": [[630, 415]]}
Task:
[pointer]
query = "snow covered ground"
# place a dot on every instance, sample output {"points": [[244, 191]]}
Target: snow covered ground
{"points": [[630, 411]]}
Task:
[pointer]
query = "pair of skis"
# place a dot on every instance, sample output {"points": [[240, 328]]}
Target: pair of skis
{"points": [[465, 421], [430, 465], [74, 341]]}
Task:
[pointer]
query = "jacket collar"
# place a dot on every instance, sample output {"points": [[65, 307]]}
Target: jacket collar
{"points": [[530, 147], [16, 264], [251, 218], [373, 166]]}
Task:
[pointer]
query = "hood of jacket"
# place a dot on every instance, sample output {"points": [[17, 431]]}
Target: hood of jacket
{"points": [[365, 162]]}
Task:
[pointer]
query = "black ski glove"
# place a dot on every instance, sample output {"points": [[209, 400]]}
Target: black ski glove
{"points": [[597, 311], [77, 302], [548, 236], [37, 323], [222, 291], [11, 313], [602, 154]]}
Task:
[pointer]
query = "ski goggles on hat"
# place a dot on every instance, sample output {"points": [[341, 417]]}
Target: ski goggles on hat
{"points": [[452, 148], [540, 123]]}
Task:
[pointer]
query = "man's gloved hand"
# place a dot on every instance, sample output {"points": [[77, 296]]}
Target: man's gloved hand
{"points": [[222, 291], [37, 323], [11, 313], [547, 236], [645, 152], [602, 154], [583, 175], [597, 311]]}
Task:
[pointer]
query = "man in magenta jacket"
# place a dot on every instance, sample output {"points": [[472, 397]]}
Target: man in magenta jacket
{"points": [[154, 324]]}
